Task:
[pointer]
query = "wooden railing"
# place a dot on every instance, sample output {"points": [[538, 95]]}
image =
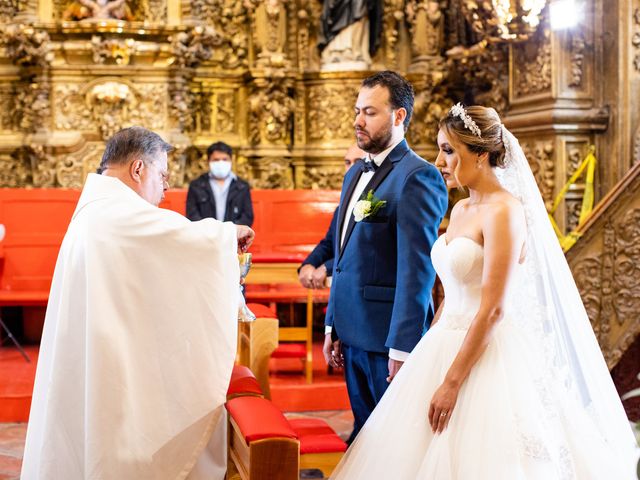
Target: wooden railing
{"points": [[606, 266]]}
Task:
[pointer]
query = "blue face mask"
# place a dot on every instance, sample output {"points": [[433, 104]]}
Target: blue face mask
{"points": [[220, 169]]}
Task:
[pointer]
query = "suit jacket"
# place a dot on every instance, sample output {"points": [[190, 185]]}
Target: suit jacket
{"points": [[202, 204], [382, 276], [323, 252]]}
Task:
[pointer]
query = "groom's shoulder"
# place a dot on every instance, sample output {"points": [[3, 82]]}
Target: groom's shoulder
{"points": [[414, 163]]}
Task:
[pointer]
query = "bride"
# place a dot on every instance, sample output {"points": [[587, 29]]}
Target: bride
{"points": [[509, 382]]}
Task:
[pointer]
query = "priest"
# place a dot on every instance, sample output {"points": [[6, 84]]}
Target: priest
{"points": [[140, 331]]}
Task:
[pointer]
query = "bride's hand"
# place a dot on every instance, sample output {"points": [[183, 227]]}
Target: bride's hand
{"points": [[441, 406]]}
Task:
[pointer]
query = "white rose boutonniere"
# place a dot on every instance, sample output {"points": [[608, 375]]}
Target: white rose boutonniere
{"points": [[369, 206]]}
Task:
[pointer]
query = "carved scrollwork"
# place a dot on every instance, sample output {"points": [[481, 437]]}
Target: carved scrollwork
{"points": [[315, 178], [636, 146], [269, 32], [429, 107], [392, 14], [112, 50], [635, 40], [191, 48], [308, 13], [181, 106], [273, 173], [27, 46], [32, 109], [627, 266], [426, 25], [8, 9], [225, 112], [271, 109], [540, 157], [330, 114], [532, 65], [587, 273], [16, 170], [578, 48], [229, 17]]}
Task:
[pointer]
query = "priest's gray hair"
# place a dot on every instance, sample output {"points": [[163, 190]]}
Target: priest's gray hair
{"points": [[132, 143]]}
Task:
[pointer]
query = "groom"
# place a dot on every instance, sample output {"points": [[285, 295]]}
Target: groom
{"points": [[382, 277]]}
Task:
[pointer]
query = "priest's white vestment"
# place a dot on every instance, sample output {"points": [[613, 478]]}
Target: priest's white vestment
{"points": [[138, 343]]}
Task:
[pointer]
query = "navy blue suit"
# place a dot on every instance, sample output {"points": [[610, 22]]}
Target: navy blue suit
{"points": [[382, 276], [323, 252]]}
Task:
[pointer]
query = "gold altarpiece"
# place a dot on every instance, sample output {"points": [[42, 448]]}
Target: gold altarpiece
{"points": [[248, 73]]}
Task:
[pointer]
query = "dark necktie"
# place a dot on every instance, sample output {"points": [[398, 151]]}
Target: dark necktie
{"points": [[368, 166]]}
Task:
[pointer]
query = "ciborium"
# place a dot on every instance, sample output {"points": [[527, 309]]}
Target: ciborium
{"points": [[244, 314]]}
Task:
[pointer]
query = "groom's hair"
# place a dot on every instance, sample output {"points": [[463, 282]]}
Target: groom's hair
{"points": [[400, 91]]}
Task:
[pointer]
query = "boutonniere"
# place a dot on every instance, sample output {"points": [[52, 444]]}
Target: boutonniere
{"points": [[369, 206]]}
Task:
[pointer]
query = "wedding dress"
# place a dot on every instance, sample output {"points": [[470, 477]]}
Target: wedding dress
{"points": [[538, 404]]}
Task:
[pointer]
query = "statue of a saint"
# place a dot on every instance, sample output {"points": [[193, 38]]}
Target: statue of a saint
{"points": [[98, 10], [350, 33]]}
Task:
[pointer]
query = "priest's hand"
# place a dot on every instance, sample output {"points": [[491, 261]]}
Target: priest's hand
{"points": [[245, 237]]}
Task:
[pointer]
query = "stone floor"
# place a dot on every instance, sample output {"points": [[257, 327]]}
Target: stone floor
{"points": [[12, 437]]}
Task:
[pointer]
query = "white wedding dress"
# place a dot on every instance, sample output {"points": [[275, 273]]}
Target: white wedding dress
{"points": [[509, 422]]}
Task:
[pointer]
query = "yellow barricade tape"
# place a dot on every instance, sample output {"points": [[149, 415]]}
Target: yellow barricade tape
{"points": [[589, 163]]}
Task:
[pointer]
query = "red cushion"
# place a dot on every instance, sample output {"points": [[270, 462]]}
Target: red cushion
{"points": [[328, 443], [261, 311], [310, 426], [243, 381], [258, 418], [316, 436], [290, 350]]}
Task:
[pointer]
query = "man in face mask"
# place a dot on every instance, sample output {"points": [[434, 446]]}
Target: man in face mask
{"points": [[219, 193]]}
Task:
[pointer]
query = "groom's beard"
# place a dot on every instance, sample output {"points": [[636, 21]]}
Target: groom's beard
{"points": [[374, 144]]}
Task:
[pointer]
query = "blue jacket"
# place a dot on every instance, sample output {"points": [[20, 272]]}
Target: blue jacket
{"points": [[382, 276], [323, 252]]}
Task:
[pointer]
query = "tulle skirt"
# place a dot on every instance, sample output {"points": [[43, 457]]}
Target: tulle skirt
{"points": [[508, 424]]}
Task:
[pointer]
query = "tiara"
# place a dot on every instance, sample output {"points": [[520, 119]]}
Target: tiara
{"points": [[458, 111]]}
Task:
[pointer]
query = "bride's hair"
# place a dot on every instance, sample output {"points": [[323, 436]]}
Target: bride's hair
{"points": [[483, 118]]}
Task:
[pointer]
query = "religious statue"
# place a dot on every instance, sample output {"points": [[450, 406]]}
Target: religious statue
{"points": [[98, 10], [349, 33]]}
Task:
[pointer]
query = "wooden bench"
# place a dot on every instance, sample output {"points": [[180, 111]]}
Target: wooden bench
{"points": [[262, 442], [288, 225]]}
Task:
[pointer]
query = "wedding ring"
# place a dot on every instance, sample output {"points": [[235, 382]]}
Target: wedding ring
{"points": [[443, 414]]}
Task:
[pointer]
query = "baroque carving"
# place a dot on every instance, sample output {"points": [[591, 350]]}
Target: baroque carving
{"points": [[16, 170], [578, 47], [540, 157], [8, 9], [181, 106], [532, 65], [315, 178], [392, 14], [635, 40], [230, 18], [112, 50], [308, 13], [269, 32], [273, 173], [27, 46], [330, 114], [429, 107], [271, 108], [426, 25], [486, 74], [32, 108], [191, 48], [108, 106], [225, 112], [587, 273]]}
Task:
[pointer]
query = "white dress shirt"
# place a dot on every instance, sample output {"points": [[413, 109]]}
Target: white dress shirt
{"points": [[364, 179]]}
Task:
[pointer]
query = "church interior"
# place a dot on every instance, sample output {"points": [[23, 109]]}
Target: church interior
{"points": [[277, 82]]}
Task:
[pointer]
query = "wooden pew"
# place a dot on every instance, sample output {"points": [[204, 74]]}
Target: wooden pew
{"points": [[288, 224]]}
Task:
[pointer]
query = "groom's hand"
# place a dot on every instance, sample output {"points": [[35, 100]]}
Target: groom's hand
{"points": [[394, 368], [332, 352]]}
